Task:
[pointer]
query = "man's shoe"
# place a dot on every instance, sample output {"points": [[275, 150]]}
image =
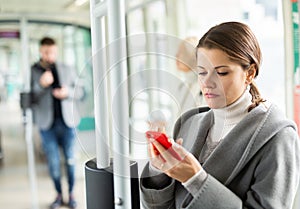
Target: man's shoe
{"points": [[57, 203], [72, 203]]}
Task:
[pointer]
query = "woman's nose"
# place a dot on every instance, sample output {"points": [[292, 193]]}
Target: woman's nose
{"points": [[208, 81]]}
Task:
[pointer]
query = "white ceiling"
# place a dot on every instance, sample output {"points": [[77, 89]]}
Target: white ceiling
{"points": [[51, 10]]}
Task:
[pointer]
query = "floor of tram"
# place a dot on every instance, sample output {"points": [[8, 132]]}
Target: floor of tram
{"points": [[15, 189]]}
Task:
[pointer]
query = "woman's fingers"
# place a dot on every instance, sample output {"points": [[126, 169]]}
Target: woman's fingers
{"points": [[180, 150], [155, 158], [179, 141], [151, 150], [169, 156], [162, 151], [165, 159], [175, 161]]}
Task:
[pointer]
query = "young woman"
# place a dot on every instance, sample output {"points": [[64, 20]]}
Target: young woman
{"points": [[241, 152]]}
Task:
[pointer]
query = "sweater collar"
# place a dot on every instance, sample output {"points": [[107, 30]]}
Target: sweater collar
{"points": [[233, 113]]}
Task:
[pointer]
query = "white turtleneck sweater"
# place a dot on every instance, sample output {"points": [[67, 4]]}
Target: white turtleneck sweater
{"points": [[225, 119]]}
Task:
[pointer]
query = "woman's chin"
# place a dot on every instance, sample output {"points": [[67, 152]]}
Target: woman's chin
{"points": [[215, 105]]}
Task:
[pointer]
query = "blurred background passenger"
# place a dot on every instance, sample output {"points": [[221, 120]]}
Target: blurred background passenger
{"points": [[186, 64], [53, 84]]}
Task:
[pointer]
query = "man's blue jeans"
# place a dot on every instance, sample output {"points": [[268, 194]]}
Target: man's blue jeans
{"points": [[59, 136]]}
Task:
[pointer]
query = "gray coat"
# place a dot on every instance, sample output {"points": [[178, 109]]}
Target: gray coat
{"points": [[43, 108], [255, 166]]}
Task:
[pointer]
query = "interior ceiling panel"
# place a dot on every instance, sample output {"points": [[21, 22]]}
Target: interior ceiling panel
{"points": [[47, 10]]}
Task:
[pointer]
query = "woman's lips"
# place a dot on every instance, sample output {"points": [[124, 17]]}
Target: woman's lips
{"points": [[210, 95]]}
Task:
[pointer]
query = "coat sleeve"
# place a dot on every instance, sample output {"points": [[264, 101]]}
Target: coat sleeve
{"points": [[211, 195], [157, 190], [277, 174], [275, 180], [74, 83], [36, 89]]}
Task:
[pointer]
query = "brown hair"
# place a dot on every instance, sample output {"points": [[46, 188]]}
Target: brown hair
{"points": [[240, 44], [47, 41]]}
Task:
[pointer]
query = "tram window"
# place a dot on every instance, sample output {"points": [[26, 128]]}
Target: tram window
{"points": [[266, 20], [144, 66], [193, 18], [74, 49], [10, 56]]}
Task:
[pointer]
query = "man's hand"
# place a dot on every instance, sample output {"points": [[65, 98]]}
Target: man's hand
{"points": [[46, 79], [60, 93]]}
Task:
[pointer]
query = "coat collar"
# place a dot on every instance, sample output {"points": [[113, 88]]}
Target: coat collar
{"points": [[240, 144]]}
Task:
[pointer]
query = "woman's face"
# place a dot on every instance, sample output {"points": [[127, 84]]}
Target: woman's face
{"points": [[222, 81]]}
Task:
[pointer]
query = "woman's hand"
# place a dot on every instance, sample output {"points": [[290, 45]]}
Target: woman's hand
{"points": [[181, 170]]}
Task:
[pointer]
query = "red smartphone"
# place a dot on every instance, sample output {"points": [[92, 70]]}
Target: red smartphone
{"points": [[160, 137], [164, 141]]}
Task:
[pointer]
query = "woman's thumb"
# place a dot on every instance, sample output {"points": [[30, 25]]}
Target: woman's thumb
{"points": [[179, 141]]}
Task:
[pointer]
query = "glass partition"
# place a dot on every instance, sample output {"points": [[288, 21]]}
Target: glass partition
{"points": [[155, 29], [74, 50]]}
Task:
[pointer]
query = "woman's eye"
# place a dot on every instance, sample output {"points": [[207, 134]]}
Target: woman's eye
{"points": [[222, 73], [202, 73]]}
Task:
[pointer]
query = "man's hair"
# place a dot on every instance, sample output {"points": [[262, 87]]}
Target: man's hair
{"points": [[47, 41]]}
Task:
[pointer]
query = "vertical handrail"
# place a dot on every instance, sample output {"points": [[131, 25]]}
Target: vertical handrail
{"points": [[100, 86], [117, 65], [120, 110], [28, 115]]}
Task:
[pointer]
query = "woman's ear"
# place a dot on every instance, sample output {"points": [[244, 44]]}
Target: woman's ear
{"points": [[250, 74]]}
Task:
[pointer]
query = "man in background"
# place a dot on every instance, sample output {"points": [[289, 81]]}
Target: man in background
{"points": [[55, 93]]}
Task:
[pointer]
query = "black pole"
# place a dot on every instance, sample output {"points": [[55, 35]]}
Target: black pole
{"points": [[100, 186]]}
